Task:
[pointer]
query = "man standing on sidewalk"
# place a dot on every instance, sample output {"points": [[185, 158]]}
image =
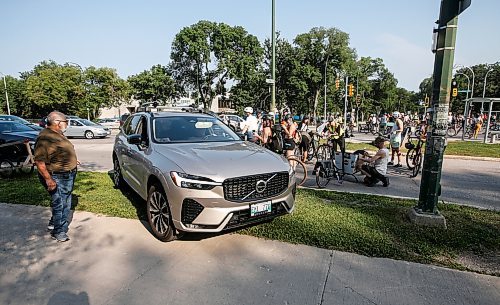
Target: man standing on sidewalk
{"points": [[55, 158]]}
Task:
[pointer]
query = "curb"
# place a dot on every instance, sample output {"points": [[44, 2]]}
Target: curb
{"points": [[455, 157]]}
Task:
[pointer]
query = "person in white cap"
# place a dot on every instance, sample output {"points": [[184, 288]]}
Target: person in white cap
{"points": [[397, 129], [251, 124]]}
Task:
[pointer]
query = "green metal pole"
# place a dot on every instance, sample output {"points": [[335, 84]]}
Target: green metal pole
{"points": [[430, 187], [273, 61]]}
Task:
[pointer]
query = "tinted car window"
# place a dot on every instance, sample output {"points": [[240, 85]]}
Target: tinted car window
{"points": [[131, 124], [13, 127], [185, 129]]}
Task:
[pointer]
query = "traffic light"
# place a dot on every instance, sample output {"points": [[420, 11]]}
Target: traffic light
{"points": [[350, 90], [337, 83], [454, 88], [358, 98]]}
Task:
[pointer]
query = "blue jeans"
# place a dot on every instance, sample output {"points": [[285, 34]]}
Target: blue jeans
{"points": [[61, 200]]}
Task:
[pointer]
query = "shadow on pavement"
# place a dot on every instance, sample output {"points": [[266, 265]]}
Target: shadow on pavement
{"points": [[67, 297]]}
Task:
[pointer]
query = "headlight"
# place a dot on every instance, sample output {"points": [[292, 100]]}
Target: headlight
{"points": [[193, 182]]}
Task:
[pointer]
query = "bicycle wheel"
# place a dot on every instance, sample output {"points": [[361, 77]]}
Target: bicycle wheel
{"points": [[451, 132], [321, 179], [6, 168], [299, 169], [311, 152], [410, 158], [324, 152], [418, 164]]}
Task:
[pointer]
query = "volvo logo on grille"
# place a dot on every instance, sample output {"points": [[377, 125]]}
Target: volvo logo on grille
{"points": [[260, 187]]}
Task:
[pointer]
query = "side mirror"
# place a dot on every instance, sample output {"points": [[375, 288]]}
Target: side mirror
{"points": [[134, 139]]}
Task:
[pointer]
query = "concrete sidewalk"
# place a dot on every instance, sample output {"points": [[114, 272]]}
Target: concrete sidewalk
{"points": [[117, 261]]}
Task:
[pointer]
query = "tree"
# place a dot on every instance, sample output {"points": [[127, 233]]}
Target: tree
{"points": [[104, 88], [155, 84], [50, 86], [315, 49], [206, 55]]}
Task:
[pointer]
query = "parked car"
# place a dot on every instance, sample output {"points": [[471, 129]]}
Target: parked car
{"points": [[234, 121], [10, 132], [110, 123], [197, 175], [17, 119], [78, 127]]}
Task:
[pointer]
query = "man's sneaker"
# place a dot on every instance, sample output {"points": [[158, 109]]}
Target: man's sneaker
{"points": [[390, 163], [60, 237], [50, 227], [386, 182], [398, 165]]}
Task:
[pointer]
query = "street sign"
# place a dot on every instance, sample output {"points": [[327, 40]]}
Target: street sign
{"points": [[270, 81]]}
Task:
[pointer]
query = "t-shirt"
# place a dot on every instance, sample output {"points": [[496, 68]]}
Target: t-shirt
{"points": [[252, 123], [55, 150]]}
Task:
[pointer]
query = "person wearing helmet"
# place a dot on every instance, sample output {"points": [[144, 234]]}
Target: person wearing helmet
{"points": [[397, 129], [251, 125]]}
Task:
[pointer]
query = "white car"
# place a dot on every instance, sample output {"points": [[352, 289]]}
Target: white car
{"points": [[234, 121], [110, 123], [84, 128]]}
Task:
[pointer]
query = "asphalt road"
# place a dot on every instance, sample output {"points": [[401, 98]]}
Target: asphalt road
{"points": [[469, 182]]}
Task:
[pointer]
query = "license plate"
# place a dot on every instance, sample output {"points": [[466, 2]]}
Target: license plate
{"points": [[260, 208]]}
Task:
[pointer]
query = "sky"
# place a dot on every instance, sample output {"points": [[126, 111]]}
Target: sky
{"points": [[132, 36]]}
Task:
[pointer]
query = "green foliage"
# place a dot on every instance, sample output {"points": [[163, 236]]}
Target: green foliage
{"points": [[206, 55], [156, 84]]}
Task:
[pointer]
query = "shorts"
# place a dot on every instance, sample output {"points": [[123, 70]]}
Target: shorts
{"points": [[288, 144], [304, 144], [396, 142]]}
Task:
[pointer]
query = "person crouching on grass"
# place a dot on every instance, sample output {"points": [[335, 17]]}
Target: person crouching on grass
{"points": [[376, 169]]}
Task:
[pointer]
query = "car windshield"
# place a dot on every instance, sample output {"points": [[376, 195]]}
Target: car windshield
{"points": [[189, 129], [13, 127], [14, 119], [88, 123]]}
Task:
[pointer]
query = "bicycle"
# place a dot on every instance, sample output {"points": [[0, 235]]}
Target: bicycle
{"points": [[414, 156], [299, 169], [453, 131], [313, 146]]}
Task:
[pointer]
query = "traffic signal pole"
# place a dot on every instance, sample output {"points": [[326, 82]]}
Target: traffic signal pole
{"points": [[430, 187], [273, 60]]}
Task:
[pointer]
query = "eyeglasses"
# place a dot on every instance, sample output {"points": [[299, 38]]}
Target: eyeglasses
{"points": [[62, 121]]}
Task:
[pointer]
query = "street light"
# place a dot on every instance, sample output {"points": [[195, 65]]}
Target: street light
{"points": [[466, 107], [81, 73], [6, 94], [485, 78], [326, 65], [473, 77]]}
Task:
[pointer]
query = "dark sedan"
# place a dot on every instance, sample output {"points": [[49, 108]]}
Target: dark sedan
{"points": [[13, 118], [15, 132]]}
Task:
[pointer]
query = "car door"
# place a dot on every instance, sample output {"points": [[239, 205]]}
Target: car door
{"points": [[139, 155], [75, 128], [128, 162]]}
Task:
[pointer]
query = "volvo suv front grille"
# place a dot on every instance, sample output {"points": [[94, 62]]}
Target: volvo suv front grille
{"points": [[255, 187]]}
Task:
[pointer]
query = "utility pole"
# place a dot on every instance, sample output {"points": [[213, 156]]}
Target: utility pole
{"points": [[345, 100], [430, 187], [273, 61], [6, 94]]}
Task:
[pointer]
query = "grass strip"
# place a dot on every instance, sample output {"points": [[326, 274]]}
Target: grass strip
{"points": [[456, 148], [368, 225]]}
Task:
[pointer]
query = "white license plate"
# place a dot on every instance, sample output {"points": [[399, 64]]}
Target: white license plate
{"points": [[260, 208]]}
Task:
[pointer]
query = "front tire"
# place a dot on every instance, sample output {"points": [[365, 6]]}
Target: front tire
{"points": [[410, 158], [117, 174], [6, 169], [89, 134], [159, 216]]}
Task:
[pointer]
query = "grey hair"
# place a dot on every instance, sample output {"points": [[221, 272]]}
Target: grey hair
{"points": [[54, 116]]}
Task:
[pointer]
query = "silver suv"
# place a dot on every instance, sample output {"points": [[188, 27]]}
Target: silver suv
{"points": [[197, 175]]}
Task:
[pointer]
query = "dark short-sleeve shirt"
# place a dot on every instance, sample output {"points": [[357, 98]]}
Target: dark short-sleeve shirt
{"points": [[55, 150]]}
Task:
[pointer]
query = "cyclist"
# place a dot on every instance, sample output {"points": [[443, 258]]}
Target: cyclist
{"points": [[267, 124], [289, 129], [377, 168], [396, 132], [305, 137], [251, 125], [336, 132]]}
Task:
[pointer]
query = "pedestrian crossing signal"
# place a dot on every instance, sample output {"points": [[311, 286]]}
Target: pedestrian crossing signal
{"points": [[454, 88]]}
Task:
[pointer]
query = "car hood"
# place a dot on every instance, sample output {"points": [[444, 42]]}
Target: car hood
{"points": [[220, 160]]}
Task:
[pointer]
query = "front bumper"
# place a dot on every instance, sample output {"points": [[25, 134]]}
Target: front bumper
{"points": [[218, 214]]}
